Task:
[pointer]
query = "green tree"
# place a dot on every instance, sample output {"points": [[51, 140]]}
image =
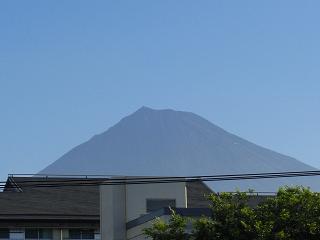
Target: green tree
{"points": [[204, 229], [232, 216], [293, 214], [174, 229]]}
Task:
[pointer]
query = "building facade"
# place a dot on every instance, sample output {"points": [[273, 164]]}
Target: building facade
{"points": [[125, 210], [42, 208], [48, 213]]}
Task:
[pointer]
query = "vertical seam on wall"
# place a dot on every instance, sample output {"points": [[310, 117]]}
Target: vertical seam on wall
{"points": [[186, 194], [125, 208]]}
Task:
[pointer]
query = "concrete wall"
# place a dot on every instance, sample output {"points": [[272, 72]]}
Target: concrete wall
{"points": [[113, 212], [122, 203], [137, 194]]}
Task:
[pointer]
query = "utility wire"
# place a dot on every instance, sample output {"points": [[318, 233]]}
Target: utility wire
{"points": [[48, 183], [86, 178]]}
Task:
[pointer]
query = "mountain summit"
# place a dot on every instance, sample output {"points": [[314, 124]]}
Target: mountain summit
{"points": [[173, 143]]}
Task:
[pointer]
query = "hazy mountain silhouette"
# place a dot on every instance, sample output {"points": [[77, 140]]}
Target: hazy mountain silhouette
{"points": [[174, 143]]}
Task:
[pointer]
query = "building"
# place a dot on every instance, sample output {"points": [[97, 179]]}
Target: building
{"points": [[125, 210], [59, 209], [46, 212], [46, 208]]}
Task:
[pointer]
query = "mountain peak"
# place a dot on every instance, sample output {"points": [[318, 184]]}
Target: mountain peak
{"points": [[144, 108], [173, 143]]}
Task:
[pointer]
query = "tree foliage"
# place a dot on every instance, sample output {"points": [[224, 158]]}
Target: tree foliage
{"points": [[293, 214], [174, 229]]}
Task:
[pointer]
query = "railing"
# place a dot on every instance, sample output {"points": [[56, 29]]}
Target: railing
{"points": [[11, 175]]}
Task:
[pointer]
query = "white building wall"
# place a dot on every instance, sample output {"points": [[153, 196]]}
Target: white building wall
{"points": [[136, 196], [122, 203], [113, 212]]}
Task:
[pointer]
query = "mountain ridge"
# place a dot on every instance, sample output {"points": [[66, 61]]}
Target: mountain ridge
{"points": [[175, 143]]}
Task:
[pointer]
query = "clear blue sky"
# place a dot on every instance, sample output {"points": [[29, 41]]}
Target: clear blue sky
{"points": [[71, 69]]}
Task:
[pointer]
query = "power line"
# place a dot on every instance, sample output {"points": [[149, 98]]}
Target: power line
{"points": [[55, 178], [47, 182]]}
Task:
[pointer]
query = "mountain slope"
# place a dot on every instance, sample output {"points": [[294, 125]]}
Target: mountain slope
{"points": [[174, 143]]}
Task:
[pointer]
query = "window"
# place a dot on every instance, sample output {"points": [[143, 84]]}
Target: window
{"points": [[31, 233], [17, 234], [154, 204], [74, 234], [81, 234], [45, 233], [34, 233], [87, 234], [4, 233]]}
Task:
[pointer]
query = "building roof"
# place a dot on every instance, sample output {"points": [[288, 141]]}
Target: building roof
{"points": [[197, 193], [68, 203], [21, 200]]}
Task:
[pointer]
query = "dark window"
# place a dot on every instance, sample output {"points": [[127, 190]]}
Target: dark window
{"points": [[154, 204], [4, 233], [45, 233], [34, 233], [74, 234], [87, 234], [31, 233], [81, 234]]}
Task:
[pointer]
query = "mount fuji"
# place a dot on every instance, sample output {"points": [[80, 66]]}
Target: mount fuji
{"points": [[174, 143]]}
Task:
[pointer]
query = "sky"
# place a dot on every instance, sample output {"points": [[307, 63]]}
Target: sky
{"points": [[72, 69]]}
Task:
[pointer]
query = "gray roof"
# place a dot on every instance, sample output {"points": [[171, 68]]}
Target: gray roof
{"points": [[47, 205], [65, 203], [197, 193]]}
